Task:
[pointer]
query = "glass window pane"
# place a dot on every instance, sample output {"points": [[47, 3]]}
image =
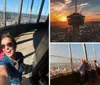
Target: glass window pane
{"points": [[26, 11], [97, 51], [1, 13], [77, 53], [35, 10], [45, 11], [90, 54], [12, 12], [93, 52], [60, 61]]}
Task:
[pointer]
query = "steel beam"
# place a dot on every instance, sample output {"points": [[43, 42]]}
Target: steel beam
{"points": [[20, 11], [4, 16], [70, 54], [31, 11], [40, 12], [85, 52], [94, 52], [75, 6]]}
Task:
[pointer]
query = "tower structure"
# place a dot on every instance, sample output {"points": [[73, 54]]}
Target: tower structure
{"points": [[76, 20]]}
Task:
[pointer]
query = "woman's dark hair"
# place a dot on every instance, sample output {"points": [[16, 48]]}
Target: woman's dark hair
{"points": [[9, 36], [95, 61]]}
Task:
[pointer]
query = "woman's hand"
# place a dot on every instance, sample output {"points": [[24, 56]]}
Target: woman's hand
{"points": [[4, 80]]}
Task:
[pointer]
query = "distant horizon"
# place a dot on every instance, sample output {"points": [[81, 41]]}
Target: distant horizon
{"points": [[22, 13]]}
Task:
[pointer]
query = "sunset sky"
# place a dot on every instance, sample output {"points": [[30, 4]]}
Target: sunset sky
{"points": [[59, 9]]}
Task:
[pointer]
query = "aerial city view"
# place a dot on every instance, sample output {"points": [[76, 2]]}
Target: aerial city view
{"points": [[10, 8], [60, 56], [66, 60], [75, 20]]}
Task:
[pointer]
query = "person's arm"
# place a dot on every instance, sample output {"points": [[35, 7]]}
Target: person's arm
{"points": [[97, 64], [4, 80]]}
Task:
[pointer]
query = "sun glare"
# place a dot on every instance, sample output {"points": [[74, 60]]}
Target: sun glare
{"points": [[63, 18]]}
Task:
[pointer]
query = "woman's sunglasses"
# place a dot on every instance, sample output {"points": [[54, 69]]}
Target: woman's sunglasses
{"points": [[10, 44]]}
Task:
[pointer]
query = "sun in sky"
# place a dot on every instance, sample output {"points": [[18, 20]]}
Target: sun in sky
{"points": [[63, 18], [88, 8]]}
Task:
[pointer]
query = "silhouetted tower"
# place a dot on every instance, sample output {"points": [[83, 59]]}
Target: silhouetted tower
{"points": [[75, 20]]}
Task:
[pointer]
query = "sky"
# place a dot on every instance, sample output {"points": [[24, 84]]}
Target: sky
{"points": [[88, 8], [13, 5], [61, 50]]}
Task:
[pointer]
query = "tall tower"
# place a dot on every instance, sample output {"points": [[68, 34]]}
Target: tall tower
{"points": [[75, 20]]}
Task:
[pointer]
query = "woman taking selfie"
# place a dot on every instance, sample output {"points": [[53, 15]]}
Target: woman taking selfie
{"points": [[11, 63]]}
